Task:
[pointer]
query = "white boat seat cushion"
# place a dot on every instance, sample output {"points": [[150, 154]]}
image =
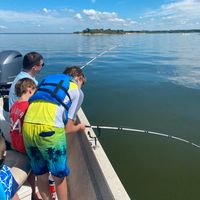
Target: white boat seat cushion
{"points": [[19, 166]]}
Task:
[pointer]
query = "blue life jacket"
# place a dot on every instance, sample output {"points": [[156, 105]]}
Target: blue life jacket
{"points": [[54, 88]]}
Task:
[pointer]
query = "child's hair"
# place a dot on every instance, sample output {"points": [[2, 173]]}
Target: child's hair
{"points": [[22, 85], [2, 151], [75, 71]]}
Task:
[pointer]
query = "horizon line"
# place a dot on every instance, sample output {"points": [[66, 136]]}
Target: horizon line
{"points": [[99, 29]]}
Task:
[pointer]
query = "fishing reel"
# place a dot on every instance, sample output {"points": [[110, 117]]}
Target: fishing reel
{"points": [[95, 138]]}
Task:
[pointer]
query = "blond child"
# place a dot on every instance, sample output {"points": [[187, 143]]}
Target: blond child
{"points": [[24, 89]]}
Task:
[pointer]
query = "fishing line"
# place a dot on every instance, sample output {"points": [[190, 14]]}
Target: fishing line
{"points": [[144, 131], [99, 55], [131, 129]]}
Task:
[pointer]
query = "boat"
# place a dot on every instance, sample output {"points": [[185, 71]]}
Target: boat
{"points": [[91, 177]]}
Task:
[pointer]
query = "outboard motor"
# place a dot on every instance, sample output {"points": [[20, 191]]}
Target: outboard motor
{"points": [[10, 65]]}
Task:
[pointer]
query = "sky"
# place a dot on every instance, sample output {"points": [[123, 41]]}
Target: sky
{"points": [[66, 16]]}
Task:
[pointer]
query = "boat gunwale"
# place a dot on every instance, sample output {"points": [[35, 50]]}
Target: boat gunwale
{"points": [[107, 172]]}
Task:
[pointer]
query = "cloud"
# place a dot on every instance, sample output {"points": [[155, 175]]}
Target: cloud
{"points": [[78, 16], [99, 16], [183, 14], [50, 11], [184, 7], [3, 27], [178, 14], [52, 19], [68, 10], [103, 17], [13, 16], [46, 10], [43, 21]]}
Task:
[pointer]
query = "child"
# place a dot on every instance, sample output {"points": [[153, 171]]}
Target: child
{"points": [[24, 89], [50, 116], [8, 185]]}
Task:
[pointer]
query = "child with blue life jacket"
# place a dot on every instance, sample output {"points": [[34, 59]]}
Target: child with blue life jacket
{"points": [[52, 114], [8, 185]]}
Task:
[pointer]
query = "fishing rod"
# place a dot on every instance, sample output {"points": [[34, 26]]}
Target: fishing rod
{"points": [[142, 131], [99, 55]]}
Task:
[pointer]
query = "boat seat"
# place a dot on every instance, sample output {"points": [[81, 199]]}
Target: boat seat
{"points": [[19, 166]]}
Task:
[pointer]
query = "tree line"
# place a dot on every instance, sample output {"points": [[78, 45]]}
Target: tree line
{"points": [[120, 31]]}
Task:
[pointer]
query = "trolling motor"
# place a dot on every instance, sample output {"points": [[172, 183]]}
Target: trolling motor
{"points": [[10, 65]]}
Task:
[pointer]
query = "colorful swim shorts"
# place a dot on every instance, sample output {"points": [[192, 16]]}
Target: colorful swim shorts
{"points": [[47, 149]]}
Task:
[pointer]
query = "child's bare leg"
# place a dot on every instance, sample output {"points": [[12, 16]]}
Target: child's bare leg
{"points": [[33, 182], [43, 186], [61, 188], [15, 197]]}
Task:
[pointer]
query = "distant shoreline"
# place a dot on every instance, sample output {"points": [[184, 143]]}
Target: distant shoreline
{"points": [[110, 31]]}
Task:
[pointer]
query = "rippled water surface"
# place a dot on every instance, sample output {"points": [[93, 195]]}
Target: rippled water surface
{"points": [[146, 81]]}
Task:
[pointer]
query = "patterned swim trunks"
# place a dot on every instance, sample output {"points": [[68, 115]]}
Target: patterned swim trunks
{"points": [[47, 149]]}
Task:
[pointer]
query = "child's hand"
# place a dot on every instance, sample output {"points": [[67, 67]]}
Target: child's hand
{"points": [[82, 127]]}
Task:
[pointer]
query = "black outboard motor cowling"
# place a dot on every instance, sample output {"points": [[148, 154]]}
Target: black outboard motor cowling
{"points": [[10, 65]]}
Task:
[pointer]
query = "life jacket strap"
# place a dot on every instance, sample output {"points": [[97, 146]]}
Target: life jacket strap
{"points": [[58, 86], [54, 92]]}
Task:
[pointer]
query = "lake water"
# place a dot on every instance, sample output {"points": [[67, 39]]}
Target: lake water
{"points": [[146, 81]]}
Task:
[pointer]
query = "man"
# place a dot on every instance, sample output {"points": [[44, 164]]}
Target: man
{"points": [[32, 64], [52, 114]]}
